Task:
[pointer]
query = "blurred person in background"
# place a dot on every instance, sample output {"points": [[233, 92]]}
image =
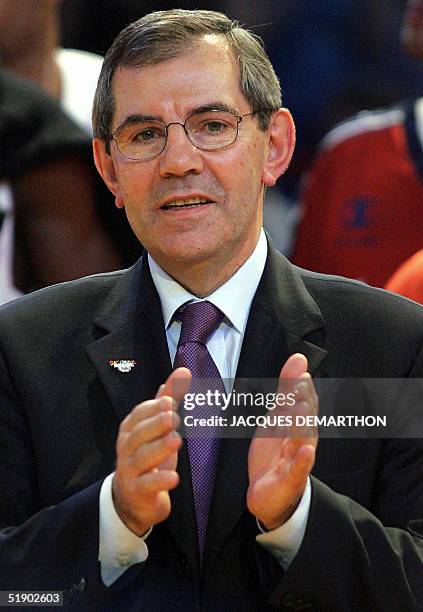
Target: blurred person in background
{"points": [[56, 209], [30, 48], [408, 279], [365, 190], [51, 231]]}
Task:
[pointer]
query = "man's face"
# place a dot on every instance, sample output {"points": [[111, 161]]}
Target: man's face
{"points": [[223, 231]]}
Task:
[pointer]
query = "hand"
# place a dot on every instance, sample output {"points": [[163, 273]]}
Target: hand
{"points": [[147, 453], [278, 466]]}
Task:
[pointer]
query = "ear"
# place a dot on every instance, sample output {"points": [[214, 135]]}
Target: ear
{"points": [[281, 146], [106, 168]]}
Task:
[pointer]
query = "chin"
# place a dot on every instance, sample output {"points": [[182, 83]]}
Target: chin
{"points": [[189, 256]]}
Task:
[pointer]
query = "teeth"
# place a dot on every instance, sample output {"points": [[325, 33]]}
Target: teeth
{"points": [[187, 202]]}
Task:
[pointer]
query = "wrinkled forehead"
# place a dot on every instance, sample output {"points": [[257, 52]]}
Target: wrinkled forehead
{"points": [[214, 47], [205, 72]]}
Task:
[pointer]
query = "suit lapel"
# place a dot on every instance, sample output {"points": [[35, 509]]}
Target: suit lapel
{"points": [[282, 319], [130, 327]]}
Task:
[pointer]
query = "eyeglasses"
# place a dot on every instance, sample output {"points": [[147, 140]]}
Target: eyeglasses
{"points": [[207, 130]]}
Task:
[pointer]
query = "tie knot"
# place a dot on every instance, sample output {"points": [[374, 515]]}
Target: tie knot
{"points": [[199, 321]]}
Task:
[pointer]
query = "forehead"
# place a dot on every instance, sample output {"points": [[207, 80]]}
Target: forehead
{"points": [[172, 89]]}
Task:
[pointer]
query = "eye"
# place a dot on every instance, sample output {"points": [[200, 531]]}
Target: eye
{"points": [[214, 126], [146, 135]]}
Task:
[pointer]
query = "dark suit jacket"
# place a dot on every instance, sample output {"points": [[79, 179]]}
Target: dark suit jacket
{"points": [[60, 409]]}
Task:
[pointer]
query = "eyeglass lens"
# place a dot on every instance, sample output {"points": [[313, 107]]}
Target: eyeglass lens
{"points": [[206, 130]]}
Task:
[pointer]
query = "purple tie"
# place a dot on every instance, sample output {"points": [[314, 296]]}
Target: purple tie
{"points": [[199, 321]]}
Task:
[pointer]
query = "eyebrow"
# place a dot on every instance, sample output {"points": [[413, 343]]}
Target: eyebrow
{"points": [[220, 106], [211, 106], [135, 118]]}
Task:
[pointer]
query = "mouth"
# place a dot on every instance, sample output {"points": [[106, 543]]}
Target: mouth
{"points": [[186, 203]]}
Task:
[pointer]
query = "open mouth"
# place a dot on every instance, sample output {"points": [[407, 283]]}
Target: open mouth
{"points": [[188, 203]]}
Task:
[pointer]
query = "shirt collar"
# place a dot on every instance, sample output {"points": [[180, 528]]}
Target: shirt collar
{"points": [[233, 298]]}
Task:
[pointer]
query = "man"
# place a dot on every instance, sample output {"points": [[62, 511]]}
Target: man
{"points": [[364, 191], [189, 131]]}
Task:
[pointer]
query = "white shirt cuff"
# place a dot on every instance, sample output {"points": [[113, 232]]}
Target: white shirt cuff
{"points": [[284, 542], [119, 547]]}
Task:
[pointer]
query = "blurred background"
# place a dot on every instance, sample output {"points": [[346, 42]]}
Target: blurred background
{"points": [[333, 57]]}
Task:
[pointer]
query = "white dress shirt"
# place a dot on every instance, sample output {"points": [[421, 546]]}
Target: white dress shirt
{"points": [[119, 547]]}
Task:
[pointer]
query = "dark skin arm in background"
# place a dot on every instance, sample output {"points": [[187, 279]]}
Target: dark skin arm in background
{"points": [[59, 235]]}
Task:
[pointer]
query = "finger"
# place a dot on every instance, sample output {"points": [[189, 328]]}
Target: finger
{"points": [[145, 410], [175, 387], [294, 366], [159, 391], [157, 480], [311, 395], [147, 430], [150, 455], [314, 395], [293, 390], [300, 467], [177, 384], [170, 462], [304, 391], [302, 431]]}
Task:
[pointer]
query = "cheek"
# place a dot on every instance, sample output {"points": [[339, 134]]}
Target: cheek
{"points": [[133, 187], [246, 171]]}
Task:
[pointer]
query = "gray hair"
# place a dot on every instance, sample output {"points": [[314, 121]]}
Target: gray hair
{"points": [[163, 35]]}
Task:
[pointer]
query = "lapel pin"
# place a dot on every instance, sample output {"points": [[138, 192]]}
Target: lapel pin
{"points": [[123, 365]]}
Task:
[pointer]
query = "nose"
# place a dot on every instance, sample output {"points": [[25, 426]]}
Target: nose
{"points": [[180, 157]]}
